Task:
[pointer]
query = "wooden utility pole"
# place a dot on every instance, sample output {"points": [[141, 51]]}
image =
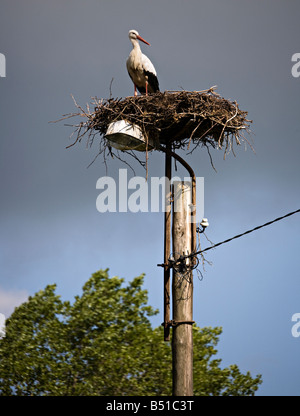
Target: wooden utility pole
{"points": [[182, 292], [184, 243]]}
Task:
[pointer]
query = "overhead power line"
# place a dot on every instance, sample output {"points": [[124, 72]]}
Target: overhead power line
{"points": [[241, 235]]}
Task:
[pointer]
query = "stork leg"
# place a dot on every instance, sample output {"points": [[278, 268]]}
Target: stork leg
{"points": [[146, 87], [135, 91]]}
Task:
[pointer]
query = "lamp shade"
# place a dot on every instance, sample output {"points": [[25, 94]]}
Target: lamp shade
{"points": [[125, 136]]}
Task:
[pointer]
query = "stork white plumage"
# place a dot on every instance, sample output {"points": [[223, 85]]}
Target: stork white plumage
{"points": [[140, 68]]}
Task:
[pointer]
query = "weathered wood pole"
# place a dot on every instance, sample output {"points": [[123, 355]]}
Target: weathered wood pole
{"points": [[167, 243], [182, 292]]}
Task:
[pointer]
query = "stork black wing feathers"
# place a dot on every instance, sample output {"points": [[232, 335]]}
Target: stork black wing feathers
{"points": [[153, 85]]}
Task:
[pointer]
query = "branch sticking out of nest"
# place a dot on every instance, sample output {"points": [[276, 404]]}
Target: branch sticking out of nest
{"points": [[181, 118]]}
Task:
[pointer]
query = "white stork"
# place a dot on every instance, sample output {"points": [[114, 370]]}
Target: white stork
{"points": [[140, 68]]}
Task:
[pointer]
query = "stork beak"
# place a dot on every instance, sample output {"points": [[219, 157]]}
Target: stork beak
{"points": [[143, 40]]}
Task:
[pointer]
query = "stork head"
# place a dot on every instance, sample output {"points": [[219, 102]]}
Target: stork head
{"points": [[134, 34]]}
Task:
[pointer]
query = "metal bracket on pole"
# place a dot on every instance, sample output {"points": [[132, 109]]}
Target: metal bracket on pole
{"points": [[176, 323]]}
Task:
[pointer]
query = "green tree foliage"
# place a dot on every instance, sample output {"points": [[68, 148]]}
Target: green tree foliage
{"points": [[103, 344]]}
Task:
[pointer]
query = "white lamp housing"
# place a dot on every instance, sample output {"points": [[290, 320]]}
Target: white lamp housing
{"points": [[125, 136]]}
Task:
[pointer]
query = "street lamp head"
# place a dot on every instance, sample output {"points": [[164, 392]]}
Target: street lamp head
{"points": [[125, 136]]}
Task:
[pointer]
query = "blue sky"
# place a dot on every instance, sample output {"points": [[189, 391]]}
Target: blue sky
{"points": [[51, 231]]}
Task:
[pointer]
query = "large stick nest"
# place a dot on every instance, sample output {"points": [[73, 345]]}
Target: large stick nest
{"points": [[181, 118]]}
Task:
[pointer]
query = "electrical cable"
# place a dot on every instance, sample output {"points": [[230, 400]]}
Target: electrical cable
{"points": [[239, 235]]}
